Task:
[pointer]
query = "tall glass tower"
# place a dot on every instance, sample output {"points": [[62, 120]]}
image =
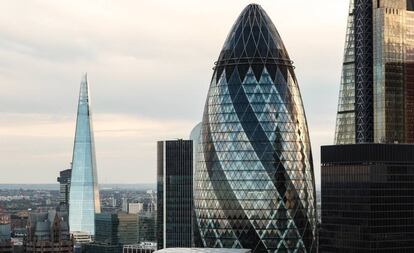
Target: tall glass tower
{"points": [[254, 181], [84, 193], [376, 100], [175, 194]]}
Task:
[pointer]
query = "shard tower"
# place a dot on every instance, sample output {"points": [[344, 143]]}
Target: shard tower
{"points": [[84, 194], [254, 179]]}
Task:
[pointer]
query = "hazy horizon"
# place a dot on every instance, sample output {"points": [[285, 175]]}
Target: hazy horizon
{"points": [[149, 65]]}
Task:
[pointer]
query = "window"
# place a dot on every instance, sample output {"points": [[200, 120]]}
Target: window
{"points": [[410, 5]]}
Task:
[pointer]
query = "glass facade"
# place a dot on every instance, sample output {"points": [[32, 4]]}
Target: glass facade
{"points": [[376, 101], [84, 193], [393, 83], [146, 227], [175, 194], [254, 181], [345, 120], [64, 182], [367, 198]]}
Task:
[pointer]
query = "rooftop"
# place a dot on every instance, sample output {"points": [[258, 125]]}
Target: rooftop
{"points": [[202, 250]]}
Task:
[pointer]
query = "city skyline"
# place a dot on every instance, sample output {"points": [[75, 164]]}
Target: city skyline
{"points": [[126, 125]]}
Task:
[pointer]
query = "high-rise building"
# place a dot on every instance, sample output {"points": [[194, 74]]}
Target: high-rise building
{"points": [[5, 233], [367, 185], [125, 205], [367, 198], [112, 232], [48, 232], [254, 181], [84, 193], [146, 227], [64, 183], [376, 100], [175, 194]]}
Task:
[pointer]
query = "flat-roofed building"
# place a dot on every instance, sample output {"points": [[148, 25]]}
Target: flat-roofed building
{"points": [[202, 250]]}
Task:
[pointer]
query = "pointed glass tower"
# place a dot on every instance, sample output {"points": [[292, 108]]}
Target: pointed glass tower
{"points": [[254, 181], [84, 194]]}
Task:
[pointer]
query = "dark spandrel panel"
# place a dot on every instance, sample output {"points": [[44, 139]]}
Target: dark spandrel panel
{"points": [[363, 153], [367, 205], [410, 5]]}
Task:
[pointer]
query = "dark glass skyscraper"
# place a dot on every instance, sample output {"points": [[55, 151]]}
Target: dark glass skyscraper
{"points": [[84, 193], [64, 184], [254, 181], [376, 101], [367, 187], [367, 198], [175, 194]]}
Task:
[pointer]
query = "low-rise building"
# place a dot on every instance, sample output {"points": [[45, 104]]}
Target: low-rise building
{"points": [[48, 232], [143, 247], [202, 250]]}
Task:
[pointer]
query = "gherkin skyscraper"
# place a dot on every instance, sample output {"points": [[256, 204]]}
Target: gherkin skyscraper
{"points": [[254, 179], [84, 194]]}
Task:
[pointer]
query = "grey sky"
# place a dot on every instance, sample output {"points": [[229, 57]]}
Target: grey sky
{"points": [[149, 64]]}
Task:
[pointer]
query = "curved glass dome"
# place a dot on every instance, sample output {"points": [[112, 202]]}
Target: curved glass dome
{"points": [[254, 179]]}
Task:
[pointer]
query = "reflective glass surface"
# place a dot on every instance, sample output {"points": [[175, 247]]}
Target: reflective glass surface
{"points": [[84, 194], [254, 181], [345, 121]]}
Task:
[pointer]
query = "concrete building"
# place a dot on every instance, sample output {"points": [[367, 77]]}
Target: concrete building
{"points": [[135, 208], [202, 250]]}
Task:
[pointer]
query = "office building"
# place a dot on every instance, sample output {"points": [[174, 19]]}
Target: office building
{"points": [[254, 180], [64, 186], [84, 193], [113, 231], [146, 227], [366, 184], [48, 232], [125, 205], [144, 247], [175, 194], [135, 208], [5, 233], [367, 198], [376, 99], [203, 250]]}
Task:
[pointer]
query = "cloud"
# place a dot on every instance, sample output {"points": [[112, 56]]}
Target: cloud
{"points": [[149, 63], [44, 143]]}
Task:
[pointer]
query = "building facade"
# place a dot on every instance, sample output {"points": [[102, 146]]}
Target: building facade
{"points": [[143, 247], [64, 188], [175, 194], [113, 230], [5, 233], [254, 181], [367, 198], [146, 227], [376, 100], [135, 208], [48, 233], [84, 193]]}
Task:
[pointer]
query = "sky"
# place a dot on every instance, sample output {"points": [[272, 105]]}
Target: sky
{"points": [[149, 65]]}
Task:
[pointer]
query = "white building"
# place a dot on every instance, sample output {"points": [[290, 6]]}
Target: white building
{"points": [[202, 250], [135, 208]]}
